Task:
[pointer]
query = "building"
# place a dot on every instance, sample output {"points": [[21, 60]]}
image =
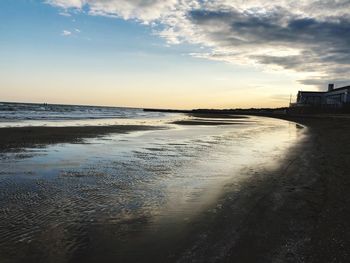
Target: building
{"points": [[332, 98]]}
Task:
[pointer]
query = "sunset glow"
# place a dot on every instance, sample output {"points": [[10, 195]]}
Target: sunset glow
{"points": [[168, 54]]}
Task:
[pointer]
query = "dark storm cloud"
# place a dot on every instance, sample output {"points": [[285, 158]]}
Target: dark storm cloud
{"points": [[324, 44]]}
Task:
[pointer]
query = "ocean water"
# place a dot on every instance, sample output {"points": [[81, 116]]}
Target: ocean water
{"points": [[129, 197], [32, 114]]}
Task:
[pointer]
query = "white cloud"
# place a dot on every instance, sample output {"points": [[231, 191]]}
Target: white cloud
{"points": [[64, 14], [67, 3], [66, 33], [143, 10], [299, 35]]}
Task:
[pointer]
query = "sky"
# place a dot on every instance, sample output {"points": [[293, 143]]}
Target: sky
{"points": [[171, 53]]}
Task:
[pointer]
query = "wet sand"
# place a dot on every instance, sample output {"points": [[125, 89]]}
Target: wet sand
{"points": [[202, 122], [17, 138], [297, 212], [212, 119], [319, 207]]}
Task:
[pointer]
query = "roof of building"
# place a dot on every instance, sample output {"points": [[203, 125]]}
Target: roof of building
{"points": [[322, 92], [312, 91], [346, 87]]}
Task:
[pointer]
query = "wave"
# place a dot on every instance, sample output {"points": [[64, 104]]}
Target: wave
{"points": [[32, 111]]}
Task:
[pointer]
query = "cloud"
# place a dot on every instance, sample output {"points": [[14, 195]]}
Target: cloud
{"points": [[64, 14], [303, 36], [66, 33], [66, 4], [142, 10]]}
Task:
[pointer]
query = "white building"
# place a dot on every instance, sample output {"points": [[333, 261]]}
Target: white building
{"points": [[333, 97]]}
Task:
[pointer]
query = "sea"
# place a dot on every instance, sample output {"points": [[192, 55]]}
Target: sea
{"points": [[144, 196], [42, 114]]}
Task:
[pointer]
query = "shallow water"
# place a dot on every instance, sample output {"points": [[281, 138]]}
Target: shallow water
{"points": [[127, 196]]}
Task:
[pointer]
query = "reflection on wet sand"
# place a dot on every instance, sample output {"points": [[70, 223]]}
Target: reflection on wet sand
{"points": [[125, 197]]}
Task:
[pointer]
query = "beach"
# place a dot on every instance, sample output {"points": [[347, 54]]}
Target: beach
{"points": [[293, 208], [180, 131], [297, 213]]}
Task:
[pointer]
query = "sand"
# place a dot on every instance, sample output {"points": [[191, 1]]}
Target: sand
{"points": [[16, 138], [205, 123], [299, 212]]}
